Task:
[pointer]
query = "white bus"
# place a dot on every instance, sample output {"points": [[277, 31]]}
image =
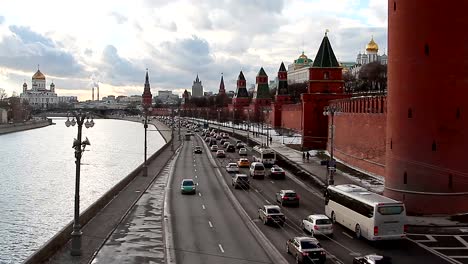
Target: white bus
{"points": [[267, 156], [369, 215]]}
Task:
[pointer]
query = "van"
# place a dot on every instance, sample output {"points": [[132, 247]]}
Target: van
{"points": [[257, 170], [241, 181]]}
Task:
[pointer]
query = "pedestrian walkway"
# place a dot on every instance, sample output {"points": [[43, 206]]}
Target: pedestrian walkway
{"points": [[108, 220]]}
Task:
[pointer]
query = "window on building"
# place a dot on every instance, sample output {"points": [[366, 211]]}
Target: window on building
{"points": [[326, 75]]}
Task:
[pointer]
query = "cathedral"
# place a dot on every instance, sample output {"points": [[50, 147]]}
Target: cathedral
{"points": [[371, 55], [39, 97]]}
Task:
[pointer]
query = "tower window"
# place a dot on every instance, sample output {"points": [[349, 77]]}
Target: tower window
{"points": [[391, 144], [458, 113], [410, 113], [394, 5], [426, 49], [326, 75], [434, 146], [405, 178], [450, 181]]}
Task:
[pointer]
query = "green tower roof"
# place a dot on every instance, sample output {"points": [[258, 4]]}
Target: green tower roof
{"points": [[325, 56]]}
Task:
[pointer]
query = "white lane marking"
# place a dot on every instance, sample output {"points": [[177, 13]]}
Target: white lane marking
{"points": [[196, 176], [464, 230], [211, 225], [435, 252], [463, 241], [199, 194], [221, 248], [256, 190], [203, 206], [272, 182], [346, 234], [462, 257], [429, 239], [267, 201]]}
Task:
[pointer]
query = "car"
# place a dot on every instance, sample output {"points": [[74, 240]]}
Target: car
{"points": [[318, 224], [196, 130], [225, 135], [232, 167], [188, 186], [287, 197], [243, 163], [238, 141], [212, 142], [372, 259], [243, 152], [207, 139], [241, 181], [277, 172], [230, 148], [197, 150], [306, 250], [271, 214], [257, 170], [226, 144], [222, 141], [214, 148], [220, 154], [240, 145]]}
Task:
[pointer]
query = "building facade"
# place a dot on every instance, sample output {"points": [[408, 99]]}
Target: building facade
{"points": [[298, 72], [39, 97], [197, 88]]}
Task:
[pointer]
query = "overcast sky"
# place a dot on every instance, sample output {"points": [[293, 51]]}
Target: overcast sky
{"points": [[77, 43]]}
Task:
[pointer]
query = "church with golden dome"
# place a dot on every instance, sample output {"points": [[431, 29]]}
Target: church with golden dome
{"points": [[371, 55], [39, 96], [298, 72]]}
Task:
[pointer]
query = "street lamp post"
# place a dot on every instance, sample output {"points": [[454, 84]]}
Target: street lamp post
{"points": [[219, 119], [331, 110], [79, 147], [233, 119], [248, 125], [145, 125]]}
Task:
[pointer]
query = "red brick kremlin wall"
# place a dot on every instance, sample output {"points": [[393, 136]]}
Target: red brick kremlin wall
{"points": [[291, 115], [360, 133]]}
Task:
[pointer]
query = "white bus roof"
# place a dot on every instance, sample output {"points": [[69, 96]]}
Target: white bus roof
{"points": [[363, 195]]}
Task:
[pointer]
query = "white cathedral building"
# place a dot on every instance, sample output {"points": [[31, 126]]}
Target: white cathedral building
{"points": [[371, 55], [39, 97]]}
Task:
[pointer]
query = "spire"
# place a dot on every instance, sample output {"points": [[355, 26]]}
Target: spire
{"points": [[241, 76], [222, 90], [196, 79], [261, 72], [282, 68], [325, 56], [147, 97]]}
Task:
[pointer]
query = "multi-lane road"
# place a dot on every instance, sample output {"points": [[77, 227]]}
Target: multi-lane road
{"points": [[206, 227]]}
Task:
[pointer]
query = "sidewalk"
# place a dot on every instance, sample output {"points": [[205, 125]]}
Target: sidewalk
{"points": [[107, 221], [418, 224]]}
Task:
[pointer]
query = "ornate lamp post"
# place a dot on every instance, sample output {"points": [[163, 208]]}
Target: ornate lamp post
{"points": [[331, 110], [145, 125], [79, 147]]}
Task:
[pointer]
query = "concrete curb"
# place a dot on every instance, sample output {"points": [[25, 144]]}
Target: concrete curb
{"points": [[18, 127], [169, 252], [273, 253]]}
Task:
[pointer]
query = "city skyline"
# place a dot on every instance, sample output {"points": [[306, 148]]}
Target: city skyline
{"points": [[75, 47]]}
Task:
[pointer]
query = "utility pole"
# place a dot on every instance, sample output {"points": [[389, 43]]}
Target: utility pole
{"points": [[331, 110], [179, 123], [172, 129]]}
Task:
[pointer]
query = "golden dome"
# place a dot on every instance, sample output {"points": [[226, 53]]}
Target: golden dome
{"points": [[372, 46], [38, 75]]}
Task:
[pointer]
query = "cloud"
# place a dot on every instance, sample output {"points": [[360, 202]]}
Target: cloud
{"points": [[2, 19], [119, 18], [88, 52], [117, 70], [24, 49]]}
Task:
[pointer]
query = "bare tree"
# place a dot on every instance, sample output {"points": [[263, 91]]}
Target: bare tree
{"points": [[3, 94]]}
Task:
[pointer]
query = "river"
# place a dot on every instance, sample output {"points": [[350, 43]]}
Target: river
{"points": [[37, 177]]}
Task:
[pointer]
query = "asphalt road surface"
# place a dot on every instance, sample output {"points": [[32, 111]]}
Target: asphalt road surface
{"points": [[205, 227], [342, 247]]}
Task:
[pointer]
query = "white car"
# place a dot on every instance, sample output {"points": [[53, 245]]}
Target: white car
{"points": [[243, 152], [232, 167], [318, 224]]}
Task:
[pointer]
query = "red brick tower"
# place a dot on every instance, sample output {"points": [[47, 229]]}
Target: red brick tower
{"points": [[282, 96], [147, 98], [241, 97], [325, 84], [427, 128], [222, 98]]}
